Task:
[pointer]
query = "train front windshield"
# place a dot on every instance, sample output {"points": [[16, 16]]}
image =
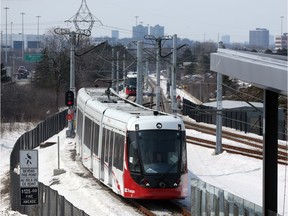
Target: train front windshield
{"points": [[156, 152]]}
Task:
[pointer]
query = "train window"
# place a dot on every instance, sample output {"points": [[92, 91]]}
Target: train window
{"points": [[107, 139], [95, 138], [160, 150], [103, 144], [110, 146], [118, 151], [79, 124], [133, 157], [87, 132]]}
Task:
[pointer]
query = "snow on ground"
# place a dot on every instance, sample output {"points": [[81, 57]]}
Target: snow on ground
{"points": [[9, 134], [77, 184], [237, 174]]}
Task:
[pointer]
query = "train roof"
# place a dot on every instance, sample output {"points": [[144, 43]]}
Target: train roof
{"points": [[118, 103], [132, 74], [122, 113]]}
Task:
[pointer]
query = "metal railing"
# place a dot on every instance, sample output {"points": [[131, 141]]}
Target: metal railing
{"points": [[209, 200]]}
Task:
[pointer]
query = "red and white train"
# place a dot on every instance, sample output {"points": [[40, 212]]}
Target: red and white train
{"points": [[137, 152], [131, 83]]}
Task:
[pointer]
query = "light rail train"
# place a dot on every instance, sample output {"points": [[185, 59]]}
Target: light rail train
{"points": [[137, 152], [131, 83]]}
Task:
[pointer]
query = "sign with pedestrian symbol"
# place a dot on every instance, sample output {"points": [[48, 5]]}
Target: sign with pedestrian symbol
{"points": [[29, 177]]}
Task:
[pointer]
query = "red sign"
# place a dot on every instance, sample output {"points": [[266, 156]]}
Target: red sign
{"points": [[69, 117]]}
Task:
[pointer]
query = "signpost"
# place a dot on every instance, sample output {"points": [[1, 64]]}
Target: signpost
{"points": [[29, 177], [33, 57]]}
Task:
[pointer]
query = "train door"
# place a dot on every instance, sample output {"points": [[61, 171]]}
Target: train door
{"points": [[110, 156], [103, 147]]}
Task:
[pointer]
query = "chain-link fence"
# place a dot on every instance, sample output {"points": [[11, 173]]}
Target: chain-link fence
{"points": [[50, 203]]}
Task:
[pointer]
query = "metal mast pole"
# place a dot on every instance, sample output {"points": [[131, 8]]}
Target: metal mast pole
{"points": [[22, 36], [38, 39], [158, 41], [6, 8], [174, 74], [139, 92], [218, 149], [281, 31], [113, 68], [117, 72], [124, 70], [72, 61], [70, 132]]}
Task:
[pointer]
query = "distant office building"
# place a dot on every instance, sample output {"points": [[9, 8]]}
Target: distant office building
{"points": [[115, 34], [225, 39], [139, 32], [157, 30], [15, 42], [259, 38], [271, 41], [281, 42]]}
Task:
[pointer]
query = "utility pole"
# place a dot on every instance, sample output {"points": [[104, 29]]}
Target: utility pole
{"points": [[139, 92], [174, 107], [124, 70], [38, 39], [117, 72], [113, 68], [71, 109], [158, 55], [218, 148], [6, 8], [281, 31], [83, 17], [22, 35], [158, 88]]}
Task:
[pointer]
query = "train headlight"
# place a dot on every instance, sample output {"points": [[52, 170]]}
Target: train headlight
{"points": [[176, 183], [145, 182]]}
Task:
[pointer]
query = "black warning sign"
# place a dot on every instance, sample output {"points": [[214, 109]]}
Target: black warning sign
{"points": [[29, 196]]}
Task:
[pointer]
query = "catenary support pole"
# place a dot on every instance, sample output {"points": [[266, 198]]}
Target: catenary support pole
{"points": [[158, 41], [218, 148], [174, 70], [124, 71], [117, 72], [70, 132], [113, 68], [139, 92]]}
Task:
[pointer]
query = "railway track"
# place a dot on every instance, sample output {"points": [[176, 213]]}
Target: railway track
{"points": [[159, 207], [151, 207], [235, 143]]}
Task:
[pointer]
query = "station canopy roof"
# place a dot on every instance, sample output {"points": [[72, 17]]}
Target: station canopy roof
{"points": [[266, 71]]}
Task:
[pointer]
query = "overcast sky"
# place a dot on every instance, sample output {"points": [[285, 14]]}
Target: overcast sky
{"points": [[196, 20]]}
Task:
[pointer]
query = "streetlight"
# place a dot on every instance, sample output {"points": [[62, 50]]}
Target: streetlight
{"points": [[38, 40], [6, 8], [281, 29], [11, 24], [22, 35]]}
